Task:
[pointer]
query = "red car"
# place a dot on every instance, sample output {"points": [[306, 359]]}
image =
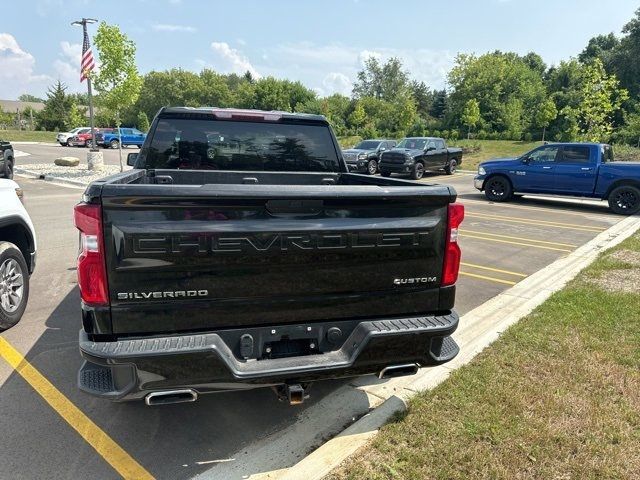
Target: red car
{"points": [[84, 139]]}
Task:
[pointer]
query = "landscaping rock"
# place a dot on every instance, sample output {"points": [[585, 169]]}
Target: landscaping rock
{"points": [[67, 161]]}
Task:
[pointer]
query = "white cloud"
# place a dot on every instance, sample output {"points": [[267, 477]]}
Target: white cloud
{"points": [[230, 60], [17, 67], [336, 82], [364, 55], [328, 68], [168, 27], [67, 67]]}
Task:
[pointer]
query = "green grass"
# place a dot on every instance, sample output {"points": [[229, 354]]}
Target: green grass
{"points": [[557, 396], [492, 149], [27, 136]]}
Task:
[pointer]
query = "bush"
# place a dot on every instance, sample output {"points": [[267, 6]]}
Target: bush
{"points": [[454, 135], [625, 153], [470, 148]]}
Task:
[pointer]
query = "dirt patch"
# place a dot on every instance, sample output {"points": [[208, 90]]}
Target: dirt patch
{"points": [[623, 280], [626, 256]]}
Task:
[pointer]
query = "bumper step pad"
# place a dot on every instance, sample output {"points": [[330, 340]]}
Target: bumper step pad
{"points": [[443, 349]]}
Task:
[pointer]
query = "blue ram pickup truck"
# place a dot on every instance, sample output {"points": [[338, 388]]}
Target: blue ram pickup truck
{"points": [[571, 169], [130, 136]]}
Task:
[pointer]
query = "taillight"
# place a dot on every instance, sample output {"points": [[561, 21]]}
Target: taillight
{"points": [[452, 253], [92, 274]]}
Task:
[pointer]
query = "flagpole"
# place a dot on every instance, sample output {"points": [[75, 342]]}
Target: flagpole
{"points": [[84, 22]]}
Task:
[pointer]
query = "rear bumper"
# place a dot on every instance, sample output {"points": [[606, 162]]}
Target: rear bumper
{"points": [[132, 368]]}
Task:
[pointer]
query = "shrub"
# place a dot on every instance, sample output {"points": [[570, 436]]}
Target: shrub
{"points": [[625, 153], [470, 148]]}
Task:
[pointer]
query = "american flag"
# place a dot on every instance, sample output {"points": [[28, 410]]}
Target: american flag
{"points": [[87, 64]]}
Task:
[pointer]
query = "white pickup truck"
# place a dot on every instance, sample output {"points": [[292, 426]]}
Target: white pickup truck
{"points": [[17, 254]]}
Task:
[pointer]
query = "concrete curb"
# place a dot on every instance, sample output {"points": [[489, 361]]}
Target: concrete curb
{"points": [[65, 182], [478, 329]]}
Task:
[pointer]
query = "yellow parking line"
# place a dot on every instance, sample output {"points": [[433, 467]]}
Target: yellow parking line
{"points": [[490, 279], [490, 239], [112, 453], [519, 238], [491, 269], [544, 223], [551, 209]]}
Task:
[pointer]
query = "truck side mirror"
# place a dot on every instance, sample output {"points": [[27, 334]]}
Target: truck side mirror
{"points": [[131, 159], [526, 160]]}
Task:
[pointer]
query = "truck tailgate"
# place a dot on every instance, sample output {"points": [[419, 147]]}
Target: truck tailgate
{"points": [[196, 258]]}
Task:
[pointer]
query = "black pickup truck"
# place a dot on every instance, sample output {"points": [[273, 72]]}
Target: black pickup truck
{"points": [[6, 160], [416, 155], [240, 253]]}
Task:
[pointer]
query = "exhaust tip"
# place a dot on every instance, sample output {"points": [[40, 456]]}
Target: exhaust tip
{"points": [[168, 397], [399, 370]]}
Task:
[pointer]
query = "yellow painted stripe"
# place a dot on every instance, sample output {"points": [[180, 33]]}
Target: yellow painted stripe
{"points": [[490, 279], [113, 454], [519, 238], [551, 209], [491, 269], [543, 223], [498, 240]]}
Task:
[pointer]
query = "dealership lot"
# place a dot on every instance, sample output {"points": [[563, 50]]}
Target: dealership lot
{"points": [[502, 244]]}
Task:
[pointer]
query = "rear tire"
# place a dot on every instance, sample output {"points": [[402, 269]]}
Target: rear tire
{"points": [[624, 200], [385, 174], [8, 168], [498, 189], [372, 167], [14, 285], [418, 171], [451, 168], [114, 143]]}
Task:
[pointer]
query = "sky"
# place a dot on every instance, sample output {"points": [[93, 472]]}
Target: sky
{"points": [[322, 43]]}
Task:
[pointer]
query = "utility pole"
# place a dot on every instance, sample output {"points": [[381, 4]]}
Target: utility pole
{"points": [[84, 23]]}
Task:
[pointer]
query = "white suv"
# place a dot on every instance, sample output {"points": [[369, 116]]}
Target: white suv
{"points": [[63, 137], [17, 254]]}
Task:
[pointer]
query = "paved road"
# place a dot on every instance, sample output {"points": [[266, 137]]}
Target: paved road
{"points": [[46, 153], [501, 245]]}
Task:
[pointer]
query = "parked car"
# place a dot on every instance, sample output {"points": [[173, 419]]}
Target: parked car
{"points": [[7, 160], [572, 169], [416, 155], [84, 139], [63, 137], [225, 260], [17, 254], [364, 157], [129, 136]]}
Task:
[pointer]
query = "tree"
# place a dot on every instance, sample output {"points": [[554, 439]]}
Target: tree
{"points": [[423, 98], [546, 113], [601, 98], [471, 115], [76, 117], [57, 108], [270, 94], [385, 82], [6, 119], [507, 88], [357, 117], [25, 97], [117, 82], [143, 122]]}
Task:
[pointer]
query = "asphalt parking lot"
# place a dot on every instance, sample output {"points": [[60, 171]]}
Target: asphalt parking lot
{"points": [[43, 434]]}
